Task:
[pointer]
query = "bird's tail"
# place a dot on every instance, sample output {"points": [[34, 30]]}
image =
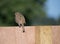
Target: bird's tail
{"points": [[23, 28]]}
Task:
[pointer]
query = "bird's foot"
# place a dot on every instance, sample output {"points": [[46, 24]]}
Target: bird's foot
{"points": [[23, 31]]}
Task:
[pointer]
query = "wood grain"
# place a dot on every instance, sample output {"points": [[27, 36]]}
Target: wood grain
{"points": [[37, 35], [14, 35], [33, 35], [56, 34], [46, 35]]}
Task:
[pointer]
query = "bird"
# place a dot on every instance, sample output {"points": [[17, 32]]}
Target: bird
{"points": [[20, 20]]}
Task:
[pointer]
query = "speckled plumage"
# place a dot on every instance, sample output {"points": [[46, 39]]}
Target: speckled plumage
{"points": [[20, 20]]}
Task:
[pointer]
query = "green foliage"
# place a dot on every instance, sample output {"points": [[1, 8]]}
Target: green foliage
{"points": [[31, 9]]}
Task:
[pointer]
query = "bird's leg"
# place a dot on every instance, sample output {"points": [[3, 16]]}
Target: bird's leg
{"points": [[23, 28], [20, 25]]}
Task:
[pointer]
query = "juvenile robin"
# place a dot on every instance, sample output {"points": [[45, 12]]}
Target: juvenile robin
{"points": [[20, 20]]}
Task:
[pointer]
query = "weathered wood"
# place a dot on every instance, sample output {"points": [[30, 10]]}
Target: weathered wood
{"points": [[33, 35], [46, 35], [14, 35], [56, 34], [37, 35]]}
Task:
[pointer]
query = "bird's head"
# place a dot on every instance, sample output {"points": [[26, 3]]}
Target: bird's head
{"points": [[17, 13]]}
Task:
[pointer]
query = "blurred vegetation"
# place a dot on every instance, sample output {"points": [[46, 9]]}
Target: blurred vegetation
{"points": [[31, 9]]}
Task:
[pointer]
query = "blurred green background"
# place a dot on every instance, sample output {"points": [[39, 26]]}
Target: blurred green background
{"points": [[33, 10]]}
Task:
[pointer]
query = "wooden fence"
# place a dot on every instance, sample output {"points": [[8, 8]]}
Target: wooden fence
{"points": [[33, 35]]}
